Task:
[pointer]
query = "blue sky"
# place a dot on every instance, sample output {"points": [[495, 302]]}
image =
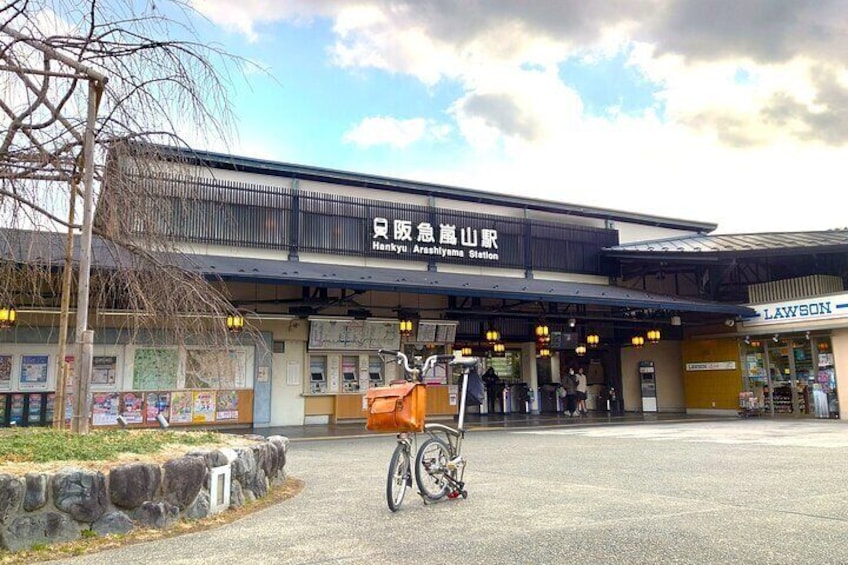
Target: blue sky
{"points": [[731, 116]]}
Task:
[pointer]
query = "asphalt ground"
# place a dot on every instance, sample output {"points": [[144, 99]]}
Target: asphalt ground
{"points": [[734, 491]]}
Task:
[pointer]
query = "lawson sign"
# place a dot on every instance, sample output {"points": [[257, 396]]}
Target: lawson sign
{"points": [[805, 310]]}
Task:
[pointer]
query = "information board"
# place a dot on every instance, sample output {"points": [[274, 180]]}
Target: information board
{"points": [[353, 335]]}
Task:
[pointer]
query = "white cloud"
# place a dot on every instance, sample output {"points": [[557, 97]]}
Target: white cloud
{"points": [[392, 131], [743, 150]]}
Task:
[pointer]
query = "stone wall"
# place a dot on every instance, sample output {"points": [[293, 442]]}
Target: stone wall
{"points": [[42, 508]]}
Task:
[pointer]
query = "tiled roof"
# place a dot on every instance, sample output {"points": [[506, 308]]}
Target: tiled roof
{"points": [[833, 240]]}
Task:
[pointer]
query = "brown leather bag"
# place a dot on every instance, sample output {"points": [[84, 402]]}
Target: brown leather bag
{"points": [[397, 408]]}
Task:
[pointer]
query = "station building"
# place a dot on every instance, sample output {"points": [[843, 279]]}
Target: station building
{"points": [[325, 264]]}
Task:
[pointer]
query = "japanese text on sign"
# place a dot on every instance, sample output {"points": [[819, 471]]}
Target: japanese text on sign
{"points": [[402, 237]]}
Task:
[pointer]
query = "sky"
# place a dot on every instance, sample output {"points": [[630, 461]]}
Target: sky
{"points": [[723, 111]]}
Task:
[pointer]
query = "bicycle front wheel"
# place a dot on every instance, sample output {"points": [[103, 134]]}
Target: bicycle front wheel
{"points": [[399, 478], [431, 468]]}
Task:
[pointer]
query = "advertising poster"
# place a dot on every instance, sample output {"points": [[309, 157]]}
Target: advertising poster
{"points": [[204, 407], [16, 409], [33, 371], [103, 370], [131, 408], [157, 402], [104, 409], [227, 405], [50, 406], [34, 410], [3, 409], [181, 408], [5, 372]]}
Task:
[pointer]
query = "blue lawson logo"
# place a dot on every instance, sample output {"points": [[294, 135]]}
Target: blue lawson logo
{"points": [[819, 308], [797, 311]]}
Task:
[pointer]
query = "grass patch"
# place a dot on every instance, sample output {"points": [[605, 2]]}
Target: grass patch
{"points": [[43, 445]]}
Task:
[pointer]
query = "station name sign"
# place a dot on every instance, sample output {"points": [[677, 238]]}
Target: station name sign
{"points": [[809, 309], [402, 237]]}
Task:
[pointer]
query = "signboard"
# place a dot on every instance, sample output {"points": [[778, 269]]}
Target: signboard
{"points": [[425, 240], [712, 366], [33, 371], [805, 310], [564, 340], [353, 335]]}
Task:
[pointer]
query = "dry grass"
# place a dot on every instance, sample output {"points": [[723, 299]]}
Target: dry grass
{"points": [[291, 488]]}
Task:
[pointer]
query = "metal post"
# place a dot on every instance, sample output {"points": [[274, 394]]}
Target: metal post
{"points": [[83, 362]]}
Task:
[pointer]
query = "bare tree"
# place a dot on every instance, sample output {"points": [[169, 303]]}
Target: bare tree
{"points": [[137, 73]]}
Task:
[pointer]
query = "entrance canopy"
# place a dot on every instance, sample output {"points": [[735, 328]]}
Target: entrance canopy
{"points": [[465, 285]]}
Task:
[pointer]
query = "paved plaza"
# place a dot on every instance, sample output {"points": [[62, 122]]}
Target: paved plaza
{"points": [[734, 491]]}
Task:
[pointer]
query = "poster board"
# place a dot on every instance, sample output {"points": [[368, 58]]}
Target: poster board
{"points": [[181, 404], [131, 403], [203, 407], [105, 408], [353, 335], [227, 405], [436, 331], [34, 372]]}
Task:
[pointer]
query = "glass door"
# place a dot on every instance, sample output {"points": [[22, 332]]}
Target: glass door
{"points": [[791, 375]]}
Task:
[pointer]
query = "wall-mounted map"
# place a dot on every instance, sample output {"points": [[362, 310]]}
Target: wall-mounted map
{"points": [[353, 335]]}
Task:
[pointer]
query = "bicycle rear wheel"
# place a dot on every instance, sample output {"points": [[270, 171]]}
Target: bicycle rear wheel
{"points": [[398, 479], [431, 469]]}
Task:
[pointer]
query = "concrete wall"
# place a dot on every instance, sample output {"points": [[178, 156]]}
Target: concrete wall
{"points": [[666, 356]]}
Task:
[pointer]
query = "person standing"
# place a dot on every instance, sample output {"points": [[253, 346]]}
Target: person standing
{"points": [[581, 388]]}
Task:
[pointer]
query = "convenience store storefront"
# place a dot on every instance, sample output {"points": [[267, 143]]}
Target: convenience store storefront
{"points": [[794, 353]]}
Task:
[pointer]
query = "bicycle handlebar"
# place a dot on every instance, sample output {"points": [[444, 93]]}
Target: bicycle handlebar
{"points": [[429, 363]]}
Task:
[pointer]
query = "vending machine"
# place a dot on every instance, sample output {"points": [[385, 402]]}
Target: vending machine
{"points": [[648, 381]]}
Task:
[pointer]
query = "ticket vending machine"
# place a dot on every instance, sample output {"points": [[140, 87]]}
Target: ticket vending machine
{"points": [[648, 381]]}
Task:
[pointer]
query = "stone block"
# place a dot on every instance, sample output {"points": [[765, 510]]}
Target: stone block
{"points": [[36, 491], [130, 485], [159, 515], [80, 493], [11, 495], [184, 477], [115, 523], [28, 530], [199, 508]]}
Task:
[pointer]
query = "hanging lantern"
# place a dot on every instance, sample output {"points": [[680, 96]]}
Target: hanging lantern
{"points": [[498, 349], [8, 317], [580, 350], [593, 339], [637, 341], [544, 352], [493, 336], [654, 336], [405, 327], [755, 344], [466, 351], [822, 345], [235, 323], [543, 331]]}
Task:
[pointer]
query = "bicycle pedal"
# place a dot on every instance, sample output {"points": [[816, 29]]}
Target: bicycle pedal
{"points": [[454, 494]]}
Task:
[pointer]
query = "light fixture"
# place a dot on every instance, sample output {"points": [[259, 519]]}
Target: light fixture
{"points": [[543, 332], [580, 350], [747, 340], [775, 338], [654, 336], [498, 349], [637, 341], [8, 317], [466, 351], [755, 344], [405, 326], [572, 322], [593, 339], [544, 352], [493, 336], [235, 323], [807, 335], [675, 321], [823, 346]]}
